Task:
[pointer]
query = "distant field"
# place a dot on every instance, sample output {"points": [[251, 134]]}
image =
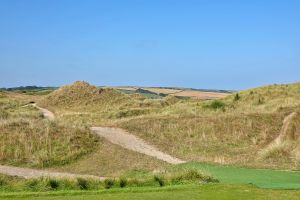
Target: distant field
{"points": [[179, 92], [200, 95], [163, 90]]}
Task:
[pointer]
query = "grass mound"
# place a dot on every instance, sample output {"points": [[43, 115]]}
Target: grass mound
{"points": [[26, 138], [266, 99], [42, 143], [82, 94]]}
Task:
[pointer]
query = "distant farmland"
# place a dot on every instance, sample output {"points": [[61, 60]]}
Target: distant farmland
{"points": [[179, 92]]}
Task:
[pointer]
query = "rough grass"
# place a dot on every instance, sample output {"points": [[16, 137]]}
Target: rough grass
{"points": [[110, 160], [12, 184], [224, 138], [227, 131], [27, 138]]}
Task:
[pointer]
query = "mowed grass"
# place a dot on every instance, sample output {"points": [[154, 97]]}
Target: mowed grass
{"points": [[263, 178], [190, 192]]}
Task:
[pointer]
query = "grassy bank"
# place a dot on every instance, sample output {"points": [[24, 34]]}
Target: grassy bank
{"points": [[27, 139], [162, 179]]}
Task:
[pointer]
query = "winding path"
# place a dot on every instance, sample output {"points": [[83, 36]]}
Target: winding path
{"points": [[114, 135], [36, 173], [47, 113], [131, 142]]}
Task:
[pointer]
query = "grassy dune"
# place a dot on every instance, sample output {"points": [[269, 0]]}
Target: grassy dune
{"points": [[233, 130], [27, 138]]}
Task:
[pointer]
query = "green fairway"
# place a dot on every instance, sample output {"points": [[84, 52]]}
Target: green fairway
{"points": [[263, 178], [209, 191]]}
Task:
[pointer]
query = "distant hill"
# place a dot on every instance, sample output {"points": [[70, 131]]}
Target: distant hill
{"points": [[24, 88]]}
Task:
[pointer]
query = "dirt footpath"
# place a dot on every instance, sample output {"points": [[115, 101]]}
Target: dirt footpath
{"points": [[128, 141], [35, 173]]}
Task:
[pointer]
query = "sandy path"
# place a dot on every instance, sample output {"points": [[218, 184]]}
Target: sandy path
{"points": [[283, 137], [128, 141], [125, 140], [35, 173], [114, 135], [47, 114]]}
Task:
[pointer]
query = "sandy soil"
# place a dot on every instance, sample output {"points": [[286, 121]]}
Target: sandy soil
{"points": [[35, 173], [128, 141], [115, 136]]}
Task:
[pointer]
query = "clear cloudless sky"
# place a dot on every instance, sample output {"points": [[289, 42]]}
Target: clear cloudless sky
{"points": [[211, 44]]}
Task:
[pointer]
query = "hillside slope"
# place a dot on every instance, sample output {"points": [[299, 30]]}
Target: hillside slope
{"points": [[233, 130], [81, 94]]}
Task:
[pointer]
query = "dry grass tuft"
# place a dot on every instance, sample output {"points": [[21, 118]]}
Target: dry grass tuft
{"points": [[27, 138]]}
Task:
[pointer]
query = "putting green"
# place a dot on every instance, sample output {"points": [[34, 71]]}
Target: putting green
{"points": [[263, 178]]}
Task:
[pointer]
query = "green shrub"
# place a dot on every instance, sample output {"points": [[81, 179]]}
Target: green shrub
{"points": [[123, 182], [215, 104], [191, 176], [108, 183], [237, 97], [68, 184], [32, 184], [3, 181], [53, 184], [82, 183], [160, 180]]}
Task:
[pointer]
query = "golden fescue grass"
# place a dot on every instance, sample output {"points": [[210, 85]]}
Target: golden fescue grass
{"points": [[232, 130], [111, 160], [27, 138], [225, 139], [286, 146], [266, 99], [83, 95]]}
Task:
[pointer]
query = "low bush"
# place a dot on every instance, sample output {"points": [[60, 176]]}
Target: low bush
{"points": [[236, 97], [123, 182], [83, 184], [53, 184], [109, 183], [160, 180], [215, 104]]}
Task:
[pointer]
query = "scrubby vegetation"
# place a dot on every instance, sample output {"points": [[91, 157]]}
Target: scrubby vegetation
{"points": [[8, 183], [232, 130], [27, 138]]}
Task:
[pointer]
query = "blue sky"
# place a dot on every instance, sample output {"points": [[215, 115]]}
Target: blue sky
{"points": [[201, 44]]}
